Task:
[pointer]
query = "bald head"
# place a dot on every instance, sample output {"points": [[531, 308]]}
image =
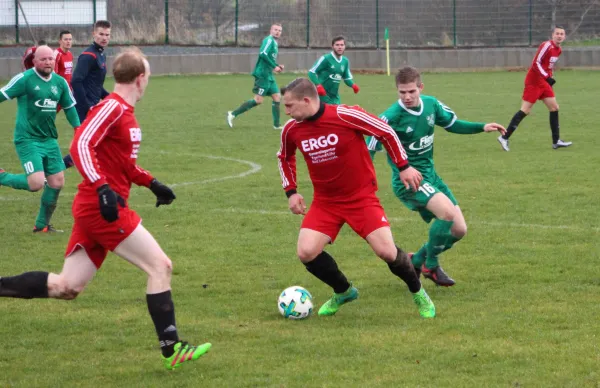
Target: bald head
{"points": [[43, 60]]}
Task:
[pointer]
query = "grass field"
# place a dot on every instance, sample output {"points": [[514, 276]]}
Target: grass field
{"points": [[524, 312]]}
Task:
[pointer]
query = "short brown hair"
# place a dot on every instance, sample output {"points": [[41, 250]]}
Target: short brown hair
{"points": [[407, 75], [102, 24], [337, 39], [128, 65], [300, 88]]}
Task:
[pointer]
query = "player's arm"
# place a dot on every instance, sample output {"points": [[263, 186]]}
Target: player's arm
{"points": [[139, 176], [265, 53], [287, 161], [82, 69], [543, 50], [67, 101], [14, 88], [447, 119], [57, 60], [313, 74]]}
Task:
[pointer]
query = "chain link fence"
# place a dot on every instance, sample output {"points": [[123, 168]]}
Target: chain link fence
{"points": [[306, 23]]}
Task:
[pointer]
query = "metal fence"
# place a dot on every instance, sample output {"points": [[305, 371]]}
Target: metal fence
{"points": [[306, 23]]}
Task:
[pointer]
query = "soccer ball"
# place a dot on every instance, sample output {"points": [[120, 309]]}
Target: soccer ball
{"points": [[295, 303]]}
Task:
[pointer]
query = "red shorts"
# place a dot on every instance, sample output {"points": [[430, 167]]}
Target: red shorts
{"points": [[97, 236], [537, 91], [364, 217]]}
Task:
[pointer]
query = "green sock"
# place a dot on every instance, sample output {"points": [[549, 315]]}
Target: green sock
{"points": [[47, 207], [438, 236], [450, 242], [275, 110], [419, 257], [16, 181], [244, 107]]}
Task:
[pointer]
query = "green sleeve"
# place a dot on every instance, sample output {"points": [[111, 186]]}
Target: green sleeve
{"points": [[14, 88], [444, 116], [465, 127], [348, 75], [265, 51], [313, 73], [72, 117], [66, 99]]}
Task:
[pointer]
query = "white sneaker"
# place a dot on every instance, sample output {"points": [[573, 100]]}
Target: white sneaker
{"points": [[230, 118], [278, 128], [504, 143], [560, 144]]}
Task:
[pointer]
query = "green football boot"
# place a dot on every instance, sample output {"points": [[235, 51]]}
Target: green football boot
{"points": [[424, 303], [333, 305], [184, 352]]}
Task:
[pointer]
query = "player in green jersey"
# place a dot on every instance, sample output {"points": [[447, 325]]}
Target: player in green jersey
{"points": [[413, 117], [330, 70], [264, 81], [38, 92]]}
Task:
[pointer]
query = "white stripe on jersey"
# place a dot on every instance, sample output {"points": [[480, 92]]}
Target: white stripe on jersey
{"points": [[70, 95], [369, 120], [538, 60], [284, 180], [372, 146], [316, 66], [10, 84], [267, 46], [89, 131]]}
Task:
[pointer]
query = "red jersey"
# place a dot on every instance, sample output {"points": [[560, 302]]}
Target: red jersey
{"points": [[27, 60], [335, 151], [543, 62], [63, 64], [105, 149]]}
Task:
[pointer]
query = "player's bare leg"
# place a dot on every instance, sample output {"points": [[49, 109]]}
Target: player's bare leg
{"points": [[246, 106], [141, 249], [382, 243], [514, 123], [78, 270], [276, 111], [52, 187], [319, 263], [552, 106]]}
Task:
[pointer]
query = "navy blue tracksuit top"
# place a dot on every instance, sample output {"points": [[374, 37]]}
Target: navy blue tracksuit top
{"points": [[88, 79]]}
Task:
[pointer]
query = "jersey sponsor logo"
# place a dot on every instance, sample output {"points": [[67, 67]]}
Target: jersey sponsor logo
{"points": [[320, 142], [68, 67], [135, 135], [335, 77], [46, 104], [425, 144], [553, 60]]}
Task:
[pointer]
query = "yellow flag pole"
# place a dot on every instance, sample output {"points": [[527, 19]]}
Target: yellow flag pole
{"points": [[387, 50]]}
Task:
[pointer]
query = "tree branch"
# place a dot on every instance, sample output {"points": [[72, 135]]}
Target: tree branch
{"points": [[583, 17]]}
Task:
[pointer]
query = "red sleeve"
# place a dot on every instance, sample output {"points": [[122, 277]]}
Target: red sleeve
{"points": [[287, 158], [91, 133], [538, 63], [28, 58], [372, 125], [57, 62], [139, 176]]}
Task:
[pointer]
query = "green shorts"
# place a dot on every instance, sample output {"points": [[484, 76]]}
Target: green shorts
{"points": [[265, 86], [330, 100], [40, 155], [418, 201]]}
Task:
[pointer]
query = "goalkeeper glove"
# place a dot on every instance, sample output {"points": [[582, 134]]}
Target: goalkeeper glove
{"points": [[164, 195], [108, 200], [355, 88], [321, 90], [551, 81]]}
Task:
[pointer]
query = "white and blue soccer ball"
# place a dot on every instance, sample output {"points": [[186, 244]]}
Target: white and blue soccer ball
{"points": [[295, 303]]}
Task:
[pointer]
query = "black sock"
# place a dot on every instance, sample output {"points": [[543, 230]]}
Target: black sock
{"points": [[27, 285], [403, 268], [554, 127], [514, 123], [162, 311], [68, 160], [326, 270]]}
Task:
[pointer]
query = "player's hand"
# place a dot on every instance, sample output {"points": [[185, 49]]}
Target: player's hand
{"points": [[551, 81], [411, 178], [321, 90], [296, 204], [164, 195], [278, 69], [108, 200], [491, 127], [355, 88]]}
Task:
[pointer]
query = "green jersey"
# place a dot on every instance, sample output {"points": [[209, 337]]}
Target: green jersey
{"points": [[37, 100], [267, 59], [415, 128], [329, 71]]}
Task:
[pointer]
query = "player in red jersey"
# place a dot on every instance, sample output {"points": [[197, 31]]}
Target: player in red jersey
{"points": [[538, 86], [63, 64], [330, 137], [27, 60], [105, 150]]}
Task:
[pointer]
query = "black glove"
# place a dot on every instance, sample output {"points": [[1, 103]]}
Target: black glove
{"points": [[164, 195], [108, 203], [551, 81]]}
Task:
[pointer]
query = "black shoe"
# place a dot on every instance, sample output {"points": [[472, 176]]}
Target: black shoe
{"points": [[438, 276], [46, 229]]}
